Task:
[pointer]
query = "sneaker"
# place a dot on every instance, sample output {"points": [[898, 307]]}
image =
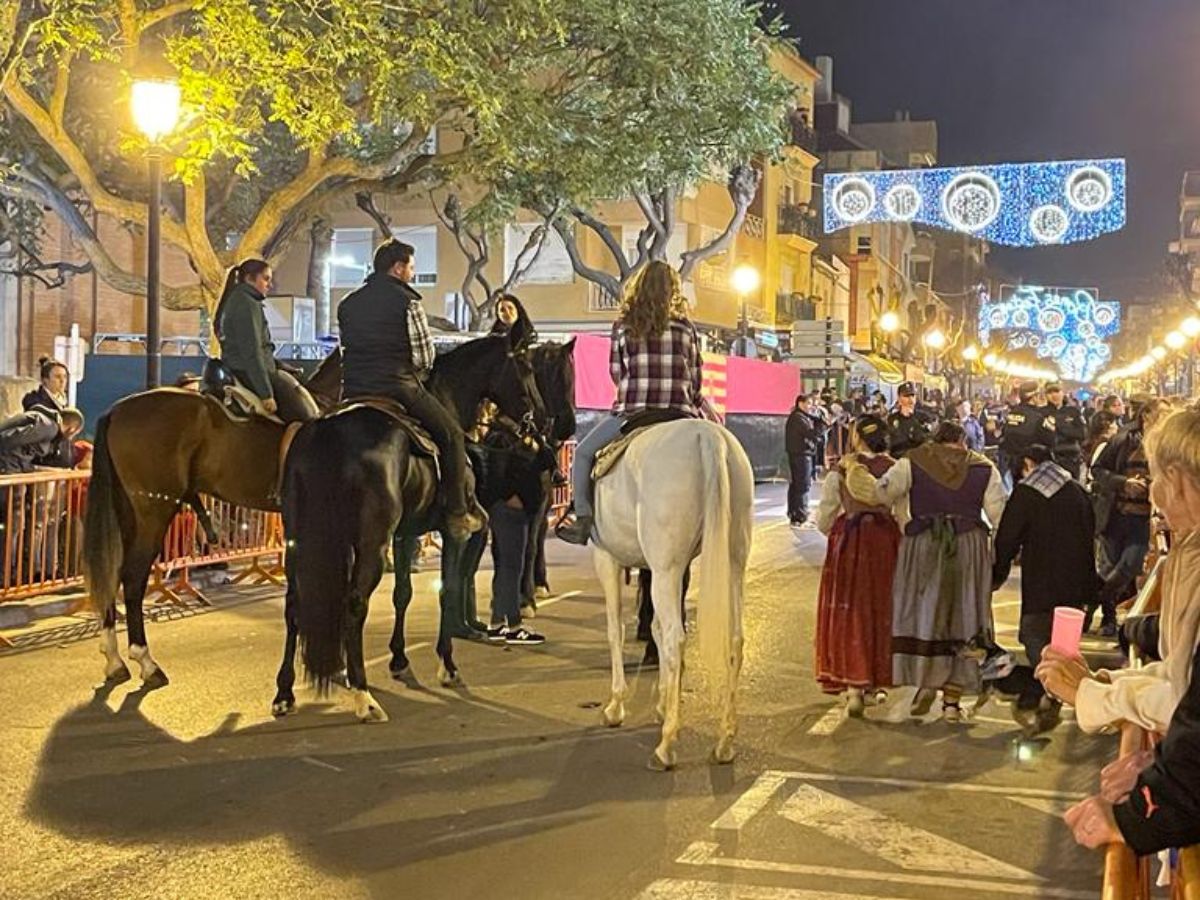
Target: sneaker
{"points": [[951, 712], [577, 531], [522, 636], [496, 633]]}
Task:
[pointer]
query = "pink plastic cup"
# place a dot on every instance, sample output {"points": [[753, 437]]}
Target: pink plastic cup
{"points": [[1067, 630]]}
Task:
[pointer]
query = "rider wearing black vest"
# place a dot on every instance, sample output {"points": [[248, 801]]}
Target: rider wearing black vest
{"points": [[387, 351], [246, 348]]}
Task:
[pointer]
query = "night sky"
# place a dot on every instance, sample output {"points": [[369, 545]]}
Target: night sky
{"points": [[1035, 80]]}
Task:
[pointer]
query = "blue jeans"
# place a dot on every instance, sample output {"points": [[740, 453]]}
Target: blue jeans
{"points": [[510, 533], [607, 431]]}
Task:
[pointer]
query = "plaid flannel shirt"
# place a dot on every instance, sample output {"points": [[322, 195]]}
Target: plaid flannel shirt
{"points": [[659, 371], [418, 335]]}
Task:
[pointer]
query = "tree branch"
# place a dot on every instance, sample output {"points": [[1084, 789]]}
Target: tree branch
{"points": [[365, 200], [743, 186], [195, 208], [609, 283], [62, 84], [152, 17], [533, 246], [605, 233]]}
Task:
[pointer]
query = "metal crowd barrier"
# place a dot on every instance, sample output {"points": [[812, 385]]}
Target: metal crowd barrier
{"points": [[43, 532]]}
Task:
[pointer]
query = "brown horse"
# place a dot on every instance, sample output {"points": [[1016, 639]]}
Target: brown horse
{"points": [[156, 452]]}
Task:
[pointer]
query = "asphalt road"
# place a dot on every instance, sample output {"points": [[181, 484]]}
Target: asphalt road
{"points": [[511, 787]]}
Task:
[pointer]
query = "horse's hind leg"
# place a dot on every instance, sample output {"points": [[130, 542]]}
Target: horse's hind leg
{"points": [[115, 670], [285, 698], [368, 570], [135, 572], [665, 589], [609, 572], [724, 752]]}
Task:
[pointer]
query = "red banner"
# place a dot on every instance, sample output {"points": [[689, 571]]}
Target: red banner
{"points": [[732, 384]]}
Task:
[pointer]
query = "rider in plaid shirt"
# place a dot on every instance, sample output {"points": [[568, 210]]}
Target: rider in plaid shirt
{"points": [[655, 363]]}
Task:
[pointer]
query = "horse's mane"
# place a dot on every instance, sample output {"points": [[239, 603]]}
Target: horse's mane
{"points": [[472, 351]]}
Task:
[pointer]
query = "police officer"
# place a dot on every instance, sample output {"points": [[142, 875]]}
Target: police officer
{"points": [[1070, 430], [1024, 426], [909, 426]]}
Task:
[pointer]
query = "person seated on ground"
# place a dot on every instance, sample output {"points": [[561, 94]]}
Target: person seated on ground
{"points": [[655, 362], [51, 397], [387, 351], [246, 348], [28, 438], [1049, 523], [1147, 697]]}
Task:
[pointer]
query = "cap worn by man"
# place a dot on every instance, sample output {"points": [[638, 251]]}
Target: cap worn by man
{"points": [[1027, 389], [907, 389]]}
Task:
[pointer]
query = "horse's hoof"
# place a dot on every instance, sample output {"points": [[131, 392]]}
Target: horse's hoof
{"points": [[542, 593], [613, 718], [281, 708], [657, 764], [118, 676], [478, 626], [374, 713], [155, 680], [401, 673], [723, 754], [367, 708], [450, 679]]}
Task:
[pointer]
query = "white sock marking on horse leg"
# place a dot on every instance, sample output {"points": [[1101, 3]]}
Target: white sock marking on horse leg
{"points": [[141, 655], [112, 656], [367, 709], [610, 577]]}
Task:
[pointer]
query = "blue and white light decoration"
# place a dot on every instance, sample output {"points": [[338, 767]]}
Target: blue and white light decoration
{"points": [[1066, 325], [1019, 205]]}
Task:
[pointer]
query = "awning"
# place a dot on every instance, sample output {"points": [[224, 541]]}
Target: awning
{"points": [[889, 372]]}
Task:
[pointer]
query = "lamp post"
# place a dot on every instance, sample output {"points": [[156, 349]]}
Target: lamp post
{"points": [[155, 106], [934, 340], [889, 324], [745, 280]]}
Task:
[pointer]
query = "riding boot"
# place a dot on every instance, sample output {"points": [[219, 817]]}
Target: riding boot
{"points": [[576, 531]]}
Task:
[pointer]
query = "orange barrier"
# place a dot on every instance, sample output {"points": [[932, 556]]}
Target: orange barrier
{"points": [[560, 499], [43, 532], [242, 535]]}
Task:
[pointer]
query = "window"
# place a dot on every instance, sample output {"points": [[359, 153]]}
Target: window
{"points": [[423, 239], [350, 259], [676, 243], [553, 265]]}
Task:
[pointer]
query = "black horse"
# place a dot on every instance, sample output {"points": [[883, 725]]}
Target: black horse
{"points": [[503, 468], [350, 480]]}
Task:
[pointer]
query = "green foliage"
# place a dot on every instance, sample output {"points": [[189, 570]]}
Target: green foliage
{"points": [[536, 102]]}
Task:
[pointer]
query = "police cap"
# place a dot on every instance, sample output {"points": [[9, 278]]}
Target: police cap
{"points": [[1027, 389], [907, 389]]}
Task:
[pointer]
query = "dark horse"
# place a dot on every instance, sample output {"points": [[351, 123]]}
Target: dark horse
{"points": [[350, 480], [499, 474], [155, 453]]}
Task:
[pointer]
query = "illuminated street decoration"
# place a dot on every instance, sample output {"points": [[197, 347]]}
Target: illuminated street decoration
{"points": [[1019, 205], [1067, 326]]}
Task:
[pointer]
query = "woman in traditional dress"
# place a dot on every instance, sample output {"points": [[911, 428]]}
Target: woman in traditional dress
{"points": [[854, 614], [941, 595]]}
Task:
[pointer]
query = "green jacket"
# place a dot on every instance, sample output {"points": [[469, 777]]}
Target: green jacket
{"points": [[246, 340]]}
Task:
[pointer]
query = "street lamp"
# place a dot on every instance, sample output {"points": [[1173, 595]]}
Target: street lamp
{"points": [[889, 322], [970, 353], [155, 106], [745, 280], [1175, 340]]}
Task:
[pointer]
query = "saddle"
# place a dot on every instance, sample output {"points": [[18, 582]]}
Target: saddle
{"points": [[240, 403], [611, 454], [394, 410]]}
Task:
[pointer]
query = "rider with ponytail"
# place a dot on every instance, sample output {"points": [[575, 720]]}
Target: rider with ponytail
{"points": [[655, 363], [246, 348]]}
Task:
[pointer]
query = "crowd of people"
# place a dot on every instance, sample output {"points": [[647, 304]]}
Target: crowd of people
{"points": [[928, 506]]}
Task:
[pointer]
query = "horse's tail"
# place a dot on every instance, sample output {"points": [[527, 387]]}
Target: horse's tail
{"points": [[323, 554], [103, 549], [719, 602]]}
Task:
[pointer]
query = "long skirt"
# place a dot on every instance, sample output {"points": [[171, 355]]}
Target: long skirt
{"points": [[941, 600], [854, 613]]}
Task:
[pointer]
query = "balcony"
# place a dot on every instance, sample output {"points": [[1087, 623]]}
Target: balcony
{"points": [[802, 135], [799, 219]]}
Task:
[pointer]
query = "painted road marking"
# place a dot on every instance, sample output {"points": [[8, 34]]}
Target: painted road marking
{"points": [[830, 722], [887, 838], [704, 853], [1000, 790], [681, 889], [751, 803]]}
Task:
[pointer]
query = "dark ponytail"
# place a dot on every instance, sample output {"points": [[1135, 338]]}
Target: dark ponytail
{"points": [[243, 271]]}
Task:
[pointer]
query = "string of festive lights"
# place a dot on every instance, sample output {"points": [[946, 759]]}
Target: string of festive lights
{"points": [[1066, 325], [1181, 338], [1017, 370], [1020, 205]]}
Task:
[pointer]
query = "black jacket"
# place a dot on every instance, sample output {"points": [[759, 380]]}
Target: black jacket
{"points": [[1163, 810], [1024, 426], [62, 455], [376, 347], [1055, 539], [1108, 472], [1070, 431], [800, 435], [26, 439], [246, 339], [909, 432]]}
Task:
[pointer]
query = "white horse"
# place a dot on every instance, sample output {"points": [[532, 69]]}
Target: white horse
{"points": [[679, 486]]}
